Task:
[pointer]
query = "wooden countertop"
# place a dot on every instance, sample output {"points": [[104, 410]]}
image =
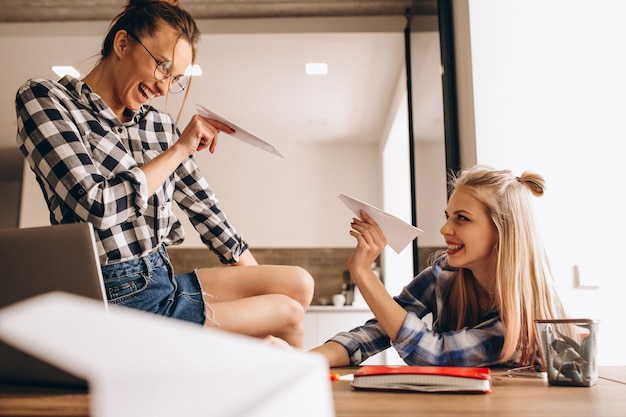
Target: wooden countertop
{"points": [[518, 397]]}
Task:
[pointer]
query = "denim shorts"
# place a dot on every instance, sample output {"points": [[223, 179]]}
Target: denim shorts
{"points": [[148, 283]]}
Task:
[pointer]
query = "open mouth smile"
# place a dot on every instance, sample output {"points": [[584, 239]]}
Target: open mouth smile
{"points": [[149, 95], [453, 248]]}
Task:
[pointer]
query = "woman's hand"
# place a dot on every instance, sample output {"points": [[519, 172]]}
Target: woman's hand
{"points": [[201, 133], [370, 243]]}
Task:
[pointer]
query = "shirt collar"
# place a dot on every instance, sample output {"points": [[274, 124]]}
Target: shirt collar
{"points": [[85, 95], [75, 87]]}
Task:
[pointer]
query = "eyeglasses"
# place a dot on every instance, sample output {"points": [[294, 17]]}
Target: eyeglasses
{"points": [[163, 70]]}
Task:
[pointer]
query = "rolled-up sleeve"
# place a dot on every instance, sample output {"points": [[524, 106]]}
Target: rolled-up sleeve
{"points": [[197, 199], [363, 342]]}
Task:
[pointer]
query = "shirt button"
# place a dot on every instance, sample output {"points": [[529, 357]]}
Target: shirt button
{"points": [[120, 130]]}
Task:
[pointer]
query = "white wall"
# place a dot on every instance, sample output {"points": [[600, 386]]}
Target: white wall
{"points": [[291, 202], [428, 132], [429, 156], [272, 202], [397, 269], [548, 85]]}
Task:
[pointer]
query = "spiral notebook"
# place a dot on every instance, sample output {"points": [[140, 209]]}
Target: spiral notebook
{"points": [[423, 378]]}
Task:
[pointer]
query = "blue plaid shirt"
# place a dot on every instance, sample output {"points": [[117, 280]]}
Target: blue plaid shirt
{"points": [[416, 344], [87, 163]]}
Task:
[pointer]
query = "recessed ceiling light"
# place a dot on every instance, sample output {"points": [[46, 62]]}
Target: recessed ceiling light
{"points": [[193, 70], [63, 70], [316, 68]]}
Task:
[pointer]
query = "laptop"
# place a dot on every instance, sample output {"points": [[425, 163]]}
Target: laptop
{"points": [[38, 260]]}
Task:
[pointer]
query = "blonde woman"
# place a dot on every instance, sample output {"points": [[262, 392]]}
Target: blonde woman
{"points": [[484, 292], [103, 154]]}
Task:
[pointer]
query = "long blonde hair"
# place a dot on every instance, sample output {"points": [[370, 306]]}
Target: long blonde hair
{"points": [[524, 289]]}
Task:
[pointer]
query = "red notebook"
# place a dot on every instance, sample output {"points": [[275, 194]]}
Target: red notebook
{"points": [[423, 378]]}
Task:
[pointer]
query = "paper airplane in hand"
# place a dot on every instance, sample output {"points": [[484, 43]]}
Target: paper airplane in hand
{"points": [[239, 133], [398, 232]]}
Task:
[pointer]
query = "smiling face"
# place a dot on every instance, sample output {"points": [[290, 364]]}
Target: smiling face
{"points": [[470, 235], [134, 80]]}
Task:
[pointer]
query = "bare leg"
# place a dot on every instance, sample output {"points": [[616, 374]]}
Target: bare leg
{"points": [[274, 314], [259, 300]]}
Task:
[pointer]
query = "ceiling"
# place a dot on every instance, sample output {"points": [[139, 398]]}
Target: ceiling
{"points": [[253, 55], [73, 10]]}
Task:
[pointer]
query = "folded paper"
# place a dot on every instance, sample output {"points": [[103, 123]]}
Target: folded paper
{"points": [[398, 232], [239, 133], [139, 364]]}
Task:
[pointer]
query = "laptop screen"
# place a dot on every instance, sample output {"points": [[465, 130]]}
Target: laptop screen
{"points": [[38, 260]]}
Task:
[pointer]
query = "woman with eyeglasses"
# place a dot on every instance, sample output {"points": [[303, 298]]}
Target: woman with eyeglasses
{"points": [[102, 154]]}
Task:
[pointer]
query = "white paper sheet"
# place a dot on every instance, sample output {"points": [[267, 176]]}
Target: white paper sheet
{"points": [[398, 232], [240, 133], [140, 364]]}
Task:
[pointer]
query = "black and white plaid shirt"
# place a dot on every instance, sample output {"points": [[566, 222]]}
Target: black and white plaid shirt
{"points": [[87, 163]]}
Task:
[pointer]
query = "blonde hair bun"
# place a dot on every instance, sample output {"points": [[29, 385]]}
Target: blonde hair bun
{"points": [[534, 182]]}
